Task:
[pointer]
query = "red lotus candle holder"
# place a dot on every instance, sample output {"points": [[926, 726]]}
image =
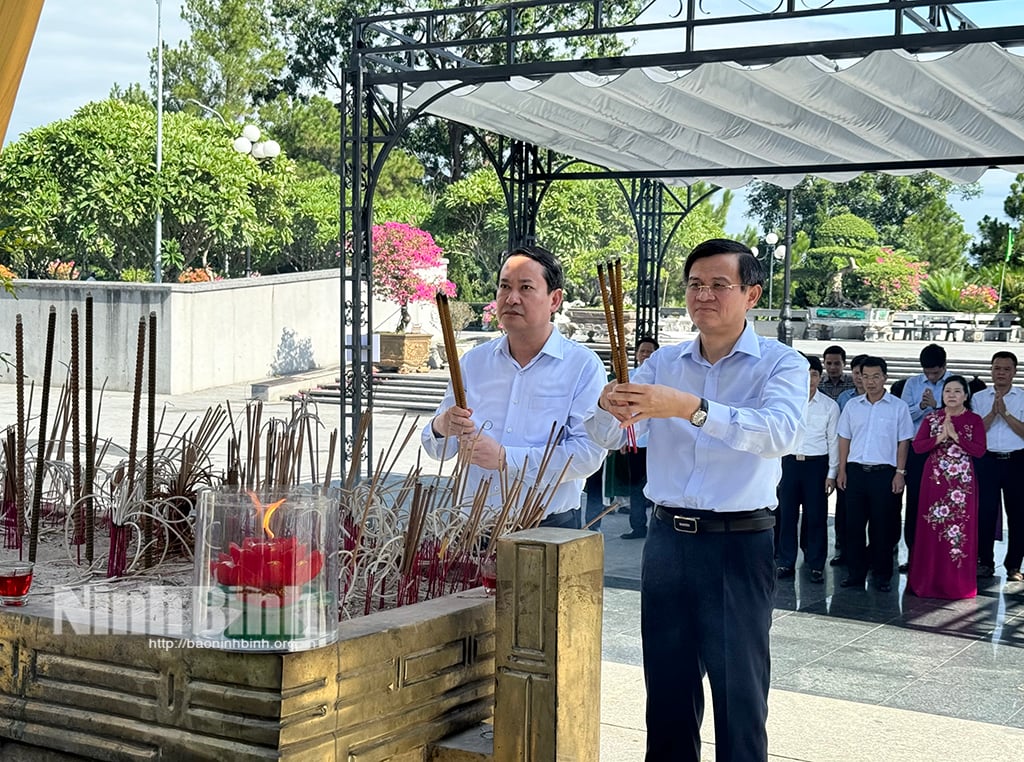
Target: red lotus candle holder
{"points": [[266, 572]]}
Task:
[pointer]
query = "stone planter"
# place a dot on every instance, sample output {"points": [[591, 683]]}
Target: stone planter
{"points": [[404, 352]]}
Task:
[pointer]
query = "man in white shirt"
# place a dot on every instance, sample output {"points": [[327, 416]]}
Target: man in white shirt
{"points": [[1001, 407], [875, 431], [516, 386], [719, 411], [922, 393], [808, 478]]}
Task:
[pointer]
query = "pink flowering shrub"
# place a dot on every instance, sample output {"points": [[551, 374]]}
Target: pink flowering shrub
{"points": [[403, 257], [889, 279], [974, 298], [490, 316]]}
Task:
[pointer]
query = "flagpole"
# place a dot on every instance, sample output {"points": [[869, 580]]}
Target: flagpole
{"points": [[1009, 251]]}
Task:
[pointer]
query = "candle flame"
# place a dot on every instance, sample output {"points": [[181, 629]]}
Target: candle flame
{"points": [[266, 511]]}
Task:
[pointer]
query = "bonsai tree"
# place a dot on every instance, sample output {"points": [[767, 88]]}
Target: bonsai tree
{"points": [[406, 267]]}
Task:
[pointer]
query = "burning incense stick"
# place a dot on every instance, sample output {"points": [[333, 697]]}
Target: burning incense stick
{"points": [[611, 299], [450, 350]]}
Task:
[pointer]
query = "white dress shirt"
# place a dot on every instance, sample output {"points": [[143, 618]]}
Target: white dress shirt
{"points": [[1000, 437], [817, 434], [875, 430], [517, 405], [756, 397]]}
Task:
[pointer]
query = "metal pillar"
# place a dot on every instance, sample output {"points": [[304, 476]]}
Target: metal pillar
{"points": [[523, 192], [786, 315], [647, 208]]}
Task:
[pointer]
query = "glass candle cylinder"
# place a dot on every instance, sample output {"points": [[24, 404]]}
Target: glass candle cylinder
{"points": [[266, 570]]}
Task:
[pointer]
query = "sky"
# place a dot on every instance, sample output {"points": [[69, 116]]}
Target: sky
{"points": [[83, 47]]}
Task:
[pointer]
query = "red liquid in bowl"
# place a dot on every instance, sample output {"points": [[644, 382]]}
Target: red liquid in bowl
{"points": [[489, 582]]}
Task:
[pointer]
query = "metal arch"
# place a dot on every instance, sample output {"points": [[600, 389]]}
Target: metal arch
{"points": [[396, 64]]}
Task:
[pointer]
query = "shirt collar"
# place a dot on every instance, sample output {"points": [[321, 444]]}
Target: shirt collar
{"points": [[747, 344], [554, 346]]}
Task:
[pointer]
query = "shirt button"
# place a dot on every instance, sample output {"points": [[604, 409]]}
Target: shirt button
{"points": [[515, 402], [509, 429]]}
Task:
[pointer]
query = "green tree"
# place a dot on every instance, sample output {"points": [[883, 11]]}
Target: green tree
{"points": [[232, 55], [85, 188], [885, 201]]}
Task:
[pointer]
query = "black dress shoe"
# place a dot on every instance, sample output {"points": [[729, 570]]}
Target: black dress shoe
{"points": [[623, 509], [884, 587], [784, 571], [817, 576], [986, 571], [851, 582], [837, 561], [634, 535]]}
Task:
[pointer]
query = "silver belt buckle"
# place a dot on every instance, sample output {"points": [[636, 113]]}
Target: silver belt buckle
{"points": [[801, 457], [685, 524]]}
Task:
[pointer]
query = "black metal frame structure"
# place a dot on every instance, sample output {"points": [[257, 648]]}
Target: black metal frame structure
{"points": [[397, 51]]}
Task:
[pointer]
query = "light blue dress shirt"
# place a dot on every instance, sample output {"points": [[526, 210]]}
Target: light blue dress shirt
{"points": [[756, 397], [517, 405], [913, 391], [845, 397]]}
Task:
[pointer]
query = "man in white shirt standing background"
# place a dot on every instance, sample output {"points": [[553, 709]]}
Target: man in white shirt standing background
{"points": [[1001, 407], [808, 478]]}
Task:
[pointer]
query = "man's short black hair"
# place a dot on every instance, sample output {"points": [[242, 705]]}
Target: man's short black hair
{"points": [[553, 274], [875, 362], [648, 339], [933, 356], [1003, 354], [858, 361], [751, 272], [815, 364], [835, 349]]}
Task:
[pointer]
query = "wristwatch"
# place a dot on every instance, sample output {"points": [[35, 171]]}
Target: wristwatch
{"points": [[700, 415], [901, 471]]}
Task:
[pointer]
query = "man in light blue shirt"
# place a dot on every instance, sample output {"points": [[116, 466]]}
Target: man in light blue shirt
{"points": [[516, 387], [922, 394], [719, 411]]}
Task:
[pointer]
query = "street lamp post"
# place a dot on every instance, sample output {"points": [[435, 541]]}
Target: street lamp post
{"points": [[158, 225], [771, 240], [248, 143]]}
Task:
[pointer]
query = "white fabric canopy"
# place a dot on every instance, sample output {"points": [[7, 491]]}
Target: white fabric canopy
{"points": [[886, 107]]}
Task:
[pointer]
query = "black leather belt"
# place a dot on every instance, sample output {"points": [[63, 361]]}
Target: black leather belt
{"points": [[747, 521], [1003, 455], [808, 458], [874, 467]]}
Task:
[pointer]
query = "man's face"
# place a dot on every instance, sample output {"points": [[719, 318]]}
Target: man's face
{"points": [[720, 308], [834, 366], [858, 379], [815, 380], [643, 351], [935, 373], [1003, 371], [874, 380], [524, 302]]}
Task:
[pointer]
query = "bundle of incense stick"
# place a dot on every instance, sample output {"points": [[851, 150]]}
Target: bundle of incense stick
{"points": [[611, 299], [449, 349]]}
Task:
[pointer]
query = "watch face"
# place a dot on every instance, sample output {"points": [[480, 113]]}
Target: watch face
{"points": [[698, 418]]}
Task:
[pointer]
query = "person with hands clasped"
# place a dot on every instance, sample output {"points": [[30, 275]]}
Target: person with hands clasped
{"points": [[719, 412], [875, 430], [945, 553], [517, 386], [1001, 407]]}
